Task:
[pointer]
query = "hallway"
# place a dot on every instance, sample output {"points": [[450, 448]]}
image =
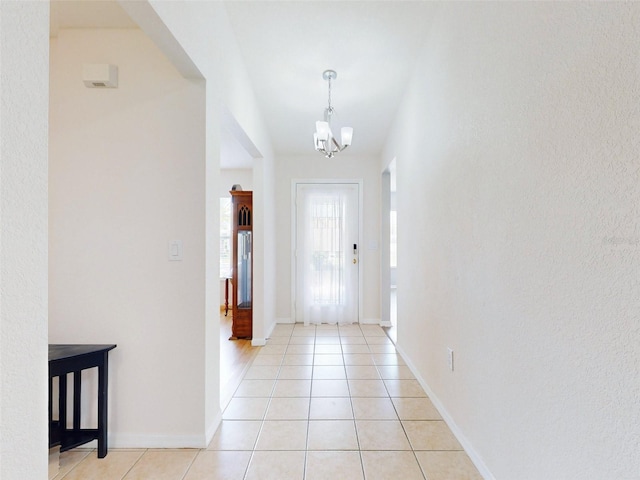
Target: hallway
{"points": [[322, 402]]}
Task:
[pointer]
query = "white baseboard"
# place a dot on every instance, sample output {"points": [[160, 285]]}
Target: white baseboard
{"points": [[271, 329], [363, 321], [132, 440], [386, 323], [370, 321], [457, 432]]}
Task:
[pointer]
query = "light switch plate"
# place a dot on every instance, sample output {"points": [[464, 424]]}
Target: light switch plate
{"points": [[175, 250], [450, 358]]}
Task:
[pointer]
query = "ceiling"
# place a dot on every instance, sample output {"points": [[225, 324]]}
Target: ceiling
{"points": [[287, 45], [371, 45]]}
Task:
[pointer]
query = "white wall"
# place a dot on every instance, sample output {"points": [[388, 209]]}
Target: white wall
{"points": [[24, 64], [204, 31], [265, 249], [232, 176], [185, 33], [127, 175], [517, 164], [340, 167], [25, 50], [250, 128]]}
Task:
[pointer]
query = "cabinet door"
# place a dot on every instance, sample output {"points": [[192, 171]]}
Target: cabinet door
{"points": [[242, 312]]}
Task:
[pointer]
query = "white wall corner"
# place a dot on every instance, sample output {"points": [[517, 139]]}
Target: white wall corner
{"points": [[154, 26], [270, 328], [262, 341], [457, 432], [371, 321], [211, 430]]}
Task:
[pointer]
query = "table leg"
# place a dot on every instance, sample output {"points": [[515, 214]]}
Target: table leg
{"points": [[103, 370], [50, 411], [226, 296], [62, 404], [77, 396]]}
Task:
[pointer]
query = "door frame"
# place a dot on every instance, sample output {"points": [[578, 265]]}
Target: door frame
{"points": [[388, 188], [294, 229]]}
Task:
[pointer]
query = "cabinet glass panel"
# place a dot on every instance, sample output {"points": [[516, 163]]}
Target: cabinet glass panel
{"points": [[244, 269]]}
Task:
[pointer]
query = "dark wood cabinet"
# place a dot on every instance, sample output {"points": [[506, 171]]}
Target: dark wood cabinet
{"points": [[242, 276]]}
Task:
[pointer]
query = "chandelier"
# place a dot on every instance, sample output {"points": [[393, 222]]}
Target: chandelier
{"points": [[323, 139]]}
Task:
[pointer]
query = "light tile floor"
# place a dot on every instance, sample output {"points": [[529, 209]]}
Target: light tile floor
{"points": [[318, 403]]}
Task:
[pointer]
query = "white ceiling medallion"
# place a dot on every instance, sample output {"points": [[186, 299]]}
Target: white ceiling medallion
{"points": [[323, 139]]}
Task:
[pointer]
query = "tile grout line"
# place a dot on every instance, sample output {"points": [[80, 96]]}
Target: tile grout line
{"points": [[355, 425], [200, 450], [134, 464], [264, 415]]}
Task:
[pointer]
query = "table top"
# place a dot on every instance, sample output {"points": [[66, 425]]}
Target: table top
{"points": [[61, 351]]}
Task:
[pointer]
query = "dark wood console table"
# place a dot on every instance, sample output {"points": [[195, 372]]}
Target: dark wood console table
{"points": [[65, 359]]}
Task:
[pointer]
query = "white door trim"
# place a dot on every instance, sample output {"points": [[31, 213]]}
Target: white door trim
{"points": [[294, 246]]}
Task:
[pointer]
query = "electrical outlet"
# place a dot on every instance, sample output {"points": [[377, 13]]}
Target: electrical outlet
{"points": [[450, 358]]}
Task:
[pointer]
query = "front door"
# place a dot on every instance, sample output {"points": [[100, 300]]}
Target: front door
{"points": [[326, 255]]}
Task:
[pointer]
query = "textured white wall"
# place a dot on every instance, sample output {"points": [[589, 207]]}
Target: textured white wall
{"points": [[127, 174], [340, 167], [24, 65], [519, 234]]}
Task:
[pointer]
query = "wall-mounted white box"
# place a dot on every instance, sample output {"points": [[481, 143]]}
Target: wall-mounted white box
{"points": [[100, 75]]}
